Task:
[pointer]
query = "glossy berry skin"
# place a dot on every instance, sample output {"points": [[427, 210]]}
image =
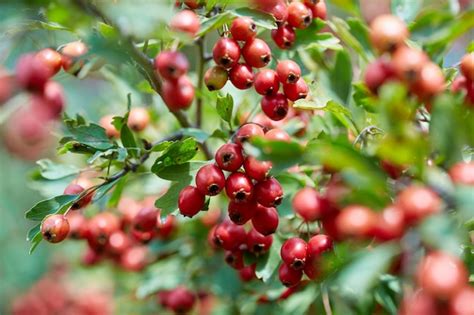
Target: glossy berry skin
{"points": [[408, 63], [318, 245], [467, 66], [76, 189], [256, 53], [418, 202], [241, 212], [71, 52], [243, 29], [299, 15], [190, 201], [390, 224], [215, 78], [293, 252], [134, 258], [210, 180], [275, 106], [226, 52], [145, 219], [178, 94], [229, 157], [277, 134], [52, 100], [247, 273], [430, 81], [442, 275], [356, 221], [288, 71], [289, 277], [387, 32], [166, 227], [77, 225], [241, 76], [317, 7], [461, 303], [229, 236], [265, 220], [278, 9], [55, 228], [185, 21], [255, 169], [239, 187], [118, 243], [171, 64], [235, 259], [180, 300], [309, 204], [99, 229], [284, 36], [32, 73], [138, 119], [462, 173], [248, 131], [378, 73], [266, 82], [51, 58], [257, 243], [296, 91], [269, 192], [106, 123]]}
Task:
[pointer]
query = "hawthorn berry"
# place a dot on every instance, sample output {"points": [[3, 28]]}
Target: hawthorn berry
{"points": [[275, 106], [142, 237], [51, 58], [268, 192], [55, 228], [318, 245], [390, 224], [387, 32], [467, 66], [293, 252], [299, 15], [255, 169], [71, 52], [284, 36], [210, 180], [229, 236], [239, 187], [461, 303], [76, 189], [277, 134], [247, 273], [185, 21], [165, 227], [99, 229], [279, 10], [190, 201], [110, 130], [378, 73], [178, 94], [408, 63], [296, 91], [356, 220], [309, 204], [418, 302], [241, 212], [257, 243], [430, 81], [462, 173], [241, 76], [134, 258], [171, 64], [246, 132], [229, 157], [289, 72], [138, 119], [226, 52], [289, 277], [118, 243], [317, 7], [265, 220], [234, 258], [52, 100], [77, 225], [215, 78], [32, 73], [145, 219], [418, 202], [266, 82], [256, 53], [243, 29], [180, 300]]}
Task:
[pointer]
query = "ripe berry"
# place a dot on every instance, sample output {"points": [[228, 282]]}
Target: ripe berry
{"points": [[241, 212], [243, 29], [190, 201], [265, 220], [71, 52], [296, 91], [32, 73], [275, 106], [229, 157], [185, 21], [99, 229], [52, 101], [256, 169], [442, 275], [378, 73], [229, 236], [311, 269], [288, 71], [210, 180], [266, 82], [293, 252], [241, 76], [77, 225], [171, 64], [256, 53], [239, 187], [419, 302], [309, 205], [390, 224], [467, 66], [461, 303], [50, 58], [145, 219], [317, 245], [279, 10], [408, 62], [288, 276], [277, 134], [134, 258], [179, 94], [234, 258], [55, 228], [226, 52], [180, 300], [268, 192], [299, 15], [257, 243], [418, 202], [76, 189], [357, 221], [138, 119], [387, 32], [142, 237], [106, 123], [462, 173], [165, 227], [318, 8], [246, 132], [284, 36], [247, 273], [430, 81], [215, 78], [118, 243]]}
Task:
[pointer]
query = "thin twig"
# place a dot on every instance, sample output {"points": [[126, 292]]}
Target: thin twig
{"points": [[200, 74], [326, 302]]}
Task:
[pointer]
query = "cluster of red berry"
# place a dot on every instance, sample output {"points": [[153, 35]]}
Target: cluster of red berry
{"points": [[180, 300], [465, 81]]}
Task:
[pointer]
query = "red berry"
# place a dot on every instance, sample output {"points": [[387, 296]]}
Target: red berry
{"points": [[296, 91], [234, 258], [257, 243], [462, 173], [178, 94], [299, 15], [247, 273], [461, 303], [226, 52], [215, 78], [239, 187], [134, 258], [387, 32], [71, 52], [293, 252], [229, 236], [317, 7], [284, 36], [142, 237], [265, 220], [277, 134], [171, 64], [288, 276], [311, 269], [210, 180], [190, 201], [256, 169], [266, 82], [118, 243], [430, 81], [317, 245], [241, 212], [229, 157], [32, 73], [50, 58], [165, 227], [241, 76], [76, 189], [390, 224], [288, 71], [106, 123], [55, 228], [99, 229], [467, 66], [53, 99], [378, 73], [138, 119], [243, 29], [275, 106], [408, 63], [418, 303], [309, 205], [356, 220], [185, 21], [77, 225], [279, 10], [269, 192], [248, 131], [256, 53], [145, 219], [418, 202], [180, 300]]}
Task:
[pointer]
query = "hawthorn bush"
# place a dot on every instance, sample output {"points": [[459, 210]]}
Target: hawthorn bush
{"points": [[261, 157]]}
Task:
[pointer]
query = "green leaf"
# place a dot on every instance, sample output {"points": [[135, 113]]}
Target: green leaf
{"points": [[267, 264], [308, 35], [53, 171], [198, 134], [215, 22], [298, 304], [260, 18], [340, 76], [224, 106], [443, 233], [364, 98], [407, 10], [91, 136], [168, 203], [177, 153], [34, 237], [345, 32], [163, 275], [117, 193], [464, 199], [58, 204], [181, 172], [128, 140]]}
